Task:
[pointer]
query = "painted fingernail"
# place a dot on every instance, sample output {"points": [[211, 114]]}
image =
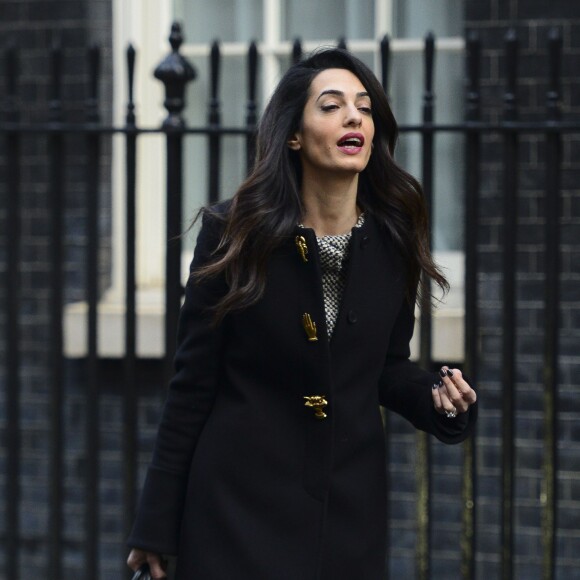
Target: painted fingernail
{"points": [[441, 385], [442, 372], [449, 373], [435, 386]]}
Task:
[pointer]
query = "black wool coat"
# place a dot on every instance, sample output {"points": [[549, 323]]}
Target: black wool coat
{"points": [[246, 482]]}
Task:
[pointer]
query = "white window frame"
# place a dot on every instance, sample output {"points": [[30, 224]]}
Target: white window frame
{"points": [[146, 24]]}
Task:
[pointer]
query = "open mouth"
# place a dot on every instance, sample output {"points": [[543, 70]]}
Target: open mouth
{"points": [[352, 140]]}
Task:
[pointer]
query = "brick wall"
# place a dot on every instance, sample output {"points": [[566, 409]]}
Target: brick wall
{"points": [[32, 26], [532, 20]]}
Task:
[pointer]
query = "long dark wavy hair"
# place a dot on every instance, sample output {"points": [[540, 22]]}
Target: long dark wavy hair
{"points": [[268, 205]]}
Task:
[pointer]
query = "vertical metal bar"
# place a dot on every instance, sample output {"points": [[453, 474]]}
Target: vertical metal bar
{"points": [[552, 298], [471, 323], [92, 382], [130, 383], [385, 54], [510, 187], [173, 289], [423, 443], [214, 120], [56, 283], [251, 115], [175, 72], [296, 51], [12, 340]]}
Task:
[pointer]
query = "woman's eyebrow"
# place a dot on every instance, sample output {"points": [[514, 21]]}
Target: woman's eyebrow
{"points": [[340, 93]]}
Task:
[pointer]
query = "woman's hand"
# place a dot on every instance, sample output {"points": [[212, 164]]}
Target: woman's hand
{"points": [[452, 395], [157, 564]]}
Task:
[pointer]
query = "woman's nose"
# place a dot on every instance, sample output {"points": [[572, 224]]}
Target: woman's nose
{"points": [[353, 116]]}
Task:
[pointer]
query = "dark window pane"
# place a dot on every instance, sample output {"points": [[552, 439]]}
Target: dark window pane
{"points": [[414, 18], [225, 20], [328, 19]]}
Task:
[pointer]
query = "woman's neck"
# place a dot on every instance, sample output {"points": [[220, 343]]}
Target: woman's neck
{"points": [[330, 206]]}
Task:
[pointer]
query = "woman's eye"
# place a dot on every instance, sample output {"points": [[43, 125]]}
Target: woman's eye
{"points": [[329, 107], [366, 110]]}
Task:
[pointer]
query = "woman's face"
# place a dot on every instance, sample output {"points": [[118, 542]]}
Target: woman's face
{"points": [[337, 128]]}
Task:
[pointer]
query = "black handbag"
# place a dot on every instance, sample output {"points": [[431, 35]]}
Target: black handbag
{"points": [[143, 573]]}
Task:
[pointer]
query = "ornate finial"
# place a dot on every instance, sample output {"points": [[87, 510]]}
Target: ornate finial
{"points": [[175, 72], [176, 37]]}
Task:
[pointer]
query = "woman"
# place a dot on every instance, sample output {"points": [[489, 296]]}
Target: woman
{"points": [[270, 458]]}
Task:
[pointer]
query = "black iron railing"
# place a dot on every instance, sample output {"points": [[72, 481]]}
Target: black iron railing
{"points": [[175, 72]]}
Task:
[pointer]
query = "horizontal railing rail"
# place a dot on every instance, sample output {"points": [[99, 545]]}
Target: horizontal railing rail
{"points": [[545, 126]]}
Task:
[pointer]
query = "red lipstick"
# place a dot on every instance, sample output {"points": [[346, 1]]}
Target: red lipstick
{"points": [[351, 143]]}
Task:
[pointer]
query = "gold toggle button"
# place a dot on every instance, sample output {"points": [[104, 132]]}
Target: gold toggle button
{"points": [[317, 402], [310, 327], [302, 247]]}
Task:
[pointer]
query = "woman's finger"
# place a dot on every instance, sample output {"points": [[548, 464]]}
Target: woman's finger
{"points": [[462, 386], [453, 393], [136, 559], [156, 566], [437, 399], [446, 403], [467, 392], [448, 406]]}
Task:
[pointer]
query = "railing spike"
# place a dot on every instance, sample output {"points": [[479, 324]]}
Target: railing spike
{"points": [[252, 70], [296, 51], [215, 61], [428, 95], [429, 62], [55, 104], [11, 60], [94, 58], [554, 67], [251, 112], [385, 50], [473, 46], [510, 98], [131, 57]]}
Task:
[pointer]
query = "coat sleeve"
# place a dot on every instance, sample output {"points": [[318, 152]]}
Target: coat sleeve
{"points": [[405, 388], [190, 398]]}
